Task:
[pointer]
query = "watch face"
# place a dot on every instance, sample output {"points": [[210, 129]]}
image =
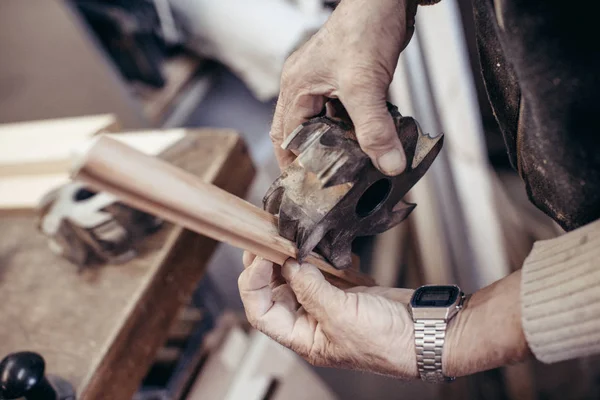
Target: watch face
{"points": [[435, 296]]}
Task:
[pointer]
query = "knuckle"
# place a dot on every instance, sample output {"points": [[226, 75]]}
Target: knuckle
{"points": [[275, 136], [373, 134], [241, 281]]}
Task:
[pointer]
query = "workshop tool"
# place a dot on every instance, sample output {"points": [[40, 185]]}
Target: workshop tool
{"points": [[22, 377], [130, 33], [332, 193], [161, 189], [85, 226]]}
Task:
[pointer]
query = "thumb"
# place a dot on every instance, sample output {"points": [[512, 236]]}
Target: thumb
{"points": [[319, 298], [376, 133]]}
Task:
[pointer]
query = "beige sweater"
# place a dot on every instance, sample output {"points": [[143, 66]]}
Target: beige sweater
{"points": [[560, 296]]}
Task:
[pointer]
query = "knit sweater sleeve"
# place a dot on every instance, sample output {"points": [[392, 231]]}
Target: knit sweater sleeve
{"points": [[560, 296]]}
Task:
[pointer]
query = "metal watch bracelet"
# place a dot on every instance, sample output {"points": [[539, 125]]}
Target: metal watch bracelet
{"points": [[429, 341]]}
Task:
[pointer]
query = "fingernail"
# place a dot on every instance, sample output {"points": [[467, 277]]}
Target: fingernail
{"points": [[392, 163], [289, 269]]}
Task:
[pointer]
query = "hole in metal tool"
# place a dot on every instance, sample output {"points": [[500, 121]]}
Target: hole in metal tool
{"points": [[373, 197]]}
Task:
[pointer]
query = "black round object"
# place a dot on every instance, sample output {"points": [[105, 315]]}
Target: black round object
{"points": [[20, 373], [373, 197]]}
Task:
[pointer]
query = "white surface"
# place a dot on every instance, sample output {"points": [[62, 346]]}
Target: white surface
{"points": [[265, 361], [47, 141], [24, 192], [234, 348], [252, 37], [442, 40], [409, 91]]}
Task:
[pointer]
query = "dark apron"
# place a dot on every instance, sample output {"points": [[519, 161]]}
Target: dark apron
{"points": [[546, 98]]}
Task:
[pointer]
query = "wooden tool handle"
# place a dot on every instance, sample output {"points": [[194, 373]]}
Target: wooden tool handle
{"points": [[159, 188]]}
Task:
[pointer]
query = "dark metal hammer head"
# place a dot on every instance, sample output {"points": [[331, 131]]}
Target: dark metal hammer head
{"points": [[332, 193]]}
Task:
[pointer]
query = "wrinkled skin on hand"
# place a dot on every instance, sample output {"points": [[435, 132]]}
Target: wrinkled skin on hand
{"points": [[367, 329], [370, 329], [352, 59]]}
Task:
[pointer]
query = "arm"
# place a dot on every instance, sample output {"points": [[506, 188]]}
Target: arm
{"points": [[552, 306], [370, 329], [487, 333], [352, 59]]}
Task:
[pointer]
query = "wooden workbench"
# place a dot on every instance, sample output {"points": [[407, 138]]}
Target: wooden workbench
{"points": [[101, 328]]}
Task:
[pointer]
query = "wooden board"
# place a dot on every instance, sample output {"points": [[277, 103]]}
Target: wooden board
{"points": [[134, 177], [43, 147], [36, 173], [35, 156], [453, 90], [253, 366], [408, 92], [101, 329]]}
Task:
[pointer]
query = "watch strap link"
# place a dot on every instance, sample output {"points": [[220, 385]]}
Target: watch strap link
{"points": [[430, 335]]}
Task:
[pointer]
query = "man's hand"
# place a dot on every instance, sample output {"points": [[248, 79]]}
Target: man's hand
{"points": [[366, 329], [370, 329], [352, 59]]}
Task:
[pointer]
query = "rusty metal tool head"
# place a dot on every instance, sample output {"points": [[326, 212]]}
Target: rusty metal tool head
{"points": [[332, 193]]}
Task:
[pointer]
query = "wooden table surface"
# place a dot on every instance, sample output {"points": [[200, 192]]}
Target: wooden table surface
{"points": [[101, 328]]}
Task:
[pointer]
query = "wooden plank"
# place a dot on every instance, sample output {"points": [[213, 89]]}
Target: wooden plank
{"points": [[218, 373], [161, 189], [43, 147], [101, 329], [447, 65], [21, 193], [246, 366], [481, 199], [266, 363], [409, 92]]}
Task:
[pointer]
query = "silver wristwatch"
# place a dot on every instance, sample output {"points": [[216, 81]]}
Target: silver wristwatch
{"points": [[432, 307]]}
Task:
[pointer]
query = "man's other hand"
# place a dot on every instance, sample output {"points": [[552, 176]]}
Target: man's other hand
{"points": [[366, 329], [352, 59], [370, 329]]}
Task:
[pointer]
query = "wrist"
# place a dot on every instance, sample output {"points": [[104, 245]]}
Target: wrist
{"points": [[487, 333], [403, 358]]}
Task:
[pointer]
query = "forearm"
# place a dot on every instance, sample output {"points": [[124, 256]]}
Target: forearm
{"points": [[488, 332]]}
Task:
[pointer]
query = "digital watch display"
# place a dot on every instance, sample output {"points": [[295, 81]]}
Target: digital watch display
{"points": [[435, 296]]}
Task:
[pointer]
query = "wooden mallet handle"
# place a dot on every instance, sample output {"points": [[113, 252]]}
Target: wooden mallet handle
{"points": [[159, 188]]}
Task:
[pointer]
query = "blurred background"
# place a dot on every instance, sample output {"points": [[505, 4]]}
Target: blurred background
{"points": [[161, 65]]}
